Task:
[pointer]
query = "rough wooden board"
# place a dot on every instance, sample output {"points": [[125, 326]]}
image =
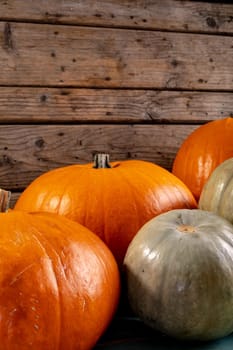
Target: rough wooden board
{"points": [[157, 14], [22, 105], [13, 199], [53, 55], [26, 151]]}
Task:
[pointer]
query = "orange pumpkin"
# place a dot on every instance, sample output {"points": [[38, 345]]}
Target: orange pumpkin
{"points": [[202, 151], [59, 283], [113, 200]]}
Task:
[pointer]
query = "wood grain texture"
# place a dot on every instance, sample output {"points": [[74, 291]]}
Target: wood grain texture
{"points": [[48, 55], [13, 199], [26, 151], [157, 14], [64, 105]]}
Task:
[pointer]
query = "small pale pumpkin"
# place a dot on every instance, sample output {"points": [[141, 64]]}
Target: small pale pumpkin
{"points": [[217, 194], [179, 273]]}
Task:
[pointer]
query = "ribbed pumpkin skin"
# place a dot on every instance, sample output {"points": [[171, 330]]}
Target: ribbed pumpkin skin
{"points": [[59, 283], [217, 194], [179, 273], [202, 151], [112, 202]]}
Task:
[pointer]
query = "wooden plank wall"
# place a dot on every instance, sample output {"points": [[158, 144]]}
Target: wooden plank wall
{"points": [[132, 78]]}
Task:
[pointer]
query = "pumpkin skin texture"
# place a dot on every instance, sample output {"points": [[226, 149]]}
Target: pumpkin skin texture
{"points": [[202, 151], [179, 273], [217, 193], [112, 201], [59, 283]]}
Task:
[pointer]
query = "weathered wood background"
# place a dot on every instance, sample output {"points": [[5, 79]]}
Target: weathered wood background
{"points": [[132, 78]]}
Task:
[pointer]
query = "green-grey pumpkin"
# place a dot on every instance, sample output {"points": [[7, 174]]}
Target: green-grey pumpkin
{"points": [[217, 193], [179, 274]]}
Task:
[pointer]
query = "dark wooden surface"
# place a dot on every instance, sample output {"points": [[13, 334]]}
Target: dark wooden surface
{"points": [[30, 150], [132, 78], [60, 55], [82, 105], [174, 15]]}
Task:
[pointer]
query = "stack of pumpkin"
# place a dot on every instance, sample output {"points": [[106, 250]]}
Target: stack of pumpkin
{"points": [[75, 231]]}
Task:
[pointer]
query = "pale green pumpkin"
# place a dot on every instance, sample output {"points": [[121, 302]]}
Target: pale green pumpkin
{"points": [[179, 274], [217, 194]]}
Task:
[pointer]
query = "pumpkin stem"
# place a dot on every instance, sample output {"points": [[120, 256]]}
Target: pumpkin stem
{"points": [[186, 228], [4, 200], [101, 160]]}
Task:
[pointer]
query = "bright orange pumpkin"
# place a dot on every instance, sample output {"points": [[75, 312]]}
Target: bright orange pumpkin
{"points": [[202, 151], [59, 283], [113, 200]]}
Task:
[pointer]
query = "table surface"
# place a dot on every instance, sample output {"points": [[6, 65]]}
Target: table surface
{"points": [[131, 334]]}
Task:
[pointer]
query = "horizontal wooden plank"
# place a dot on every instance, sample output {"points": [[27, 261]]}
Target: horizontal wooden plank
{"points": [[47, 55], [13, 198], [27, 151], [157, 14], [22, 105]]}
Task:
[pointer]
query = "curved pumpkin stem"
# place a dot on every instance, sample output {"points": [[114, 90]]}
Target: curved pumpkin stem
{"points": [[4, 200], [101, 160]]}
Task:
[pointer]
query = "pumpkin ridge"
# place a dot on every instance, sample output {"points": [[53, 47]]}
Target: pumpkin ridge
{"points": [[131, 189], [67, 185], [150, 178], [90, 188], [38, 240], [77, 173], [84, 171], [41, 261], [165, 190], [103, 211], [181, 193], [109, 239], [88, 183], [219, 204], [99, 255], [165, 281]]}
